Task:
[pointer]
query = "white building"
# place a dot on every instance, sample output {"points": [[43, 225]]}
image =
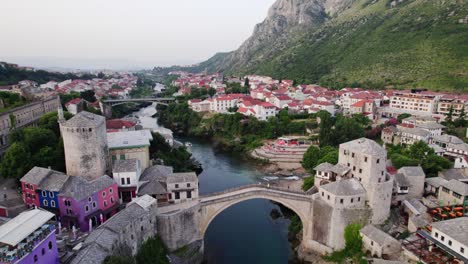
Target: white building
{"points": [[417, 102], [452, 234], [126, 174], [222, 104], [264, 110]]}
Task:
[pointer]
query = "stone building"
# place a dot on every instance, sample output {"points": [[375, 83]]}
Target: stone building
{"points": [[367, 162], [379, 243], [162, 183], [123, 232], [130, 145], [24, 116], [85, 143], [409, 183]]}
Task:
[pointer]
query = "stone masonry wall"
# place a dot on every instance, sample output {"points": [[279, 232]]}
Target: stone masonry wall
{"points": [[179, 228]]}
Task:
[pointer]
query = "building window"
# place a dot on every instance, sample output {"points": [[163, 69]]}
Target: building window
{"points": [[436, 234], [323, 194], [90, 199], [128, 180], [35, 258], [189, 194], [51, 194], [104, 194], [112, 199], [352, 200], [359, 199], [111, 190], [341, 201], [105, 204], [94, 204], [177, 185], [44, 194], [122, 156], [365, 159], [52, 203], [328, 197], [445, 190], [360, 170], [177, 195], [188, 185], [382, 173], [352, 155], [122, 180], [45, 203], [442, 238], [114, 157], [378, 161], [87, 208], [43, 251], [50, 245], [456, 195], [462, 250], [450, 243]]}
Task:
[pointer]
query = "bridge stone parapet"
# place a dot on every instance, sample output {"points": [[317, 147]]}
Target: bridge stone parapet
{"points": [[323, 225]]}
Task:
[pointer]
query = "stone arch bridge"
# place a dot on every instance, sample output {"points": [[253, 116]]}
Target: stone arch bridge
{"points": [[213, 204], [114, 102], [323, 225]]}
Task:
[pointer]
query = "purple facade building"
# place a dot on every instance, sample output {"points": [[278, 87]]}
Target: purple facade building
{"points": [[83, 201], [29, 238]]}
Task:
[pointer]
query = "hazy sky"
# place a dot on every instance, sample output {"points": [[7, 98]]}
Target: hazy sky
{"points": [[123, 33]]}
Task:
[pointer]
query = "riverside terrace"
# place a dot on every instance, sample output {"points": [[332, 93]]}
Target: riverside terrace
{"points": [[284, 149]]}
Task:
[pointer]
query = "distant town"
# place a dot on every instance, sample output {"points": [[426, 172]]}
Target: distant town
{"points": [[398, 191]]}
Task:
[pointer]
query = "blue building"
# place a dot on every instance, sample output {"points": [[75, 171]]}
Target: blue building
{"points": [[49, 188]]}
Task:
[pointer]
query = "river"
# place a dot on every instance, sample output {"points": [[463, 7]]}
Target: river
{"points": [[244, 233]]}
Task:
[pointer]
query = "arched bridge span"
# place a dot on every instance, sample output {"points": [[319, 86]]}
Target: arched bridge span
{"points": [[213, 204]]}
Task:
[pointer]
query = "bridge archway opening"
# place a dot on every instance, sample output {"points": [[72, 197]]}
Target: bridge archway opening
{"points": [[246, 231], [243, 212]]}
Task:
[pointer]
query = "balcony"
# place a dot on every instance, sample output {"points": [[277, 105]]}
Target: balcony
{"points": [[12, 255]]}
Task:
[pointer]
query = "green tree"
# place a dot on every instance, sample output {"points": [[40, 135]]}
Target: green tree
{"points": [[330, 157], [89, 96], [450, 115], [50, 121], [152, 251], [16, 161], [310, 158], [402, 116], [119, 260], [308, 183], [433, 164], [326, 124], [211, 92], [353, 246]]}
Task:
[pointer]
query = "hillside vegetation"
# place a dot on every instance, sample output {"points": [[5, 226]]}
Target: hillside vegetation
{"points": [[417, 43]]}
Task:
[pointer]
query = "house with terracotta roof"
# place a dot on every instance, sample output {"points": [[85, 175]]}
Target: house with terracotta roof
{"points": [[281, 100], [119, 125], [75, 106]]}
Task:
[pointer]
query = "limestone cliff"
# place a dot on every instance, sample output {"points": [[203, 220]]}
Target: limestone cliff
{"points": [[367, 43]]}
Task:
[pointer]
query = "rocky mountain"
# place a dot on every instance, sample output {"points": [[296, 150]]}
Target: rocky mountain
{"points": [[369, 43]]}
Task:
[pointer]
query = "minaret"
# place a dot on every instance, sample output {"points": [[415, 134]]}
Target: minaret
{"points": [[61, 118]]}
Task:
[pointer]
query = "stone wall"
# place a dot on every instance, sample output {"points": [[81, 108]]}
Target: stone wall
{"points": [[179, 228], [329, 223], [24, 116]]}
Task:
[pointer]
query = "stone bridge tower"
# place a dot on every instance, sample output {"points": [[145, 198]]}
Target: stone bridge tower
{"points": [[85, 143]]}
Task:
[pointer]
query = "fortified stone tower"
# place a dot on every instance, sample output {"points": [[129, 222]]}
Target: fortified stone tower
{"points": [[85, 143], [367, 162]]}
